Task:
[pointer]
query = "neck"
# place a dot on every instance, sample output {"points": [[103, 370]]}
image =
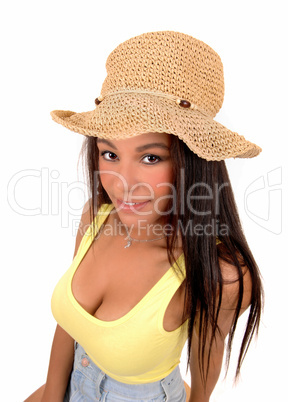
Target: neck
{"points": [[144, 231]]}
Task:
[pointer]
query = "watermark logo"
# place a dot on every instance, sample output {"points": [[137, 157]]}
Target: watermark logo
{"points": [[263, 201], [48, 196]]}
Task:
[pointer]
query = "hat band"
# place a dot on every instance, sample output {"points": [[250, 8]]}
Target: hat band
{"points": [[181, 102]]}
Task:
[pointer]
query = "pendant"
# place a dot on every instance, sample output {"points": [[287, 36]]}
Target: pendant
{"points": [[129, 242]]}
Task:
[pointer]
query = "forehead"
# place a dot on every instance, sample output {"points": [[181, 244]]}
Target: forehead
{"points": [[139, 140]]}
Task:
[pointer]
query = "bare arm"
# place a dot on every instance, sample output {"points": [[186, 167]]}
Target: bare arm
{"points": [[225, 319], [198, 393], [62, 352], [60, 366]]}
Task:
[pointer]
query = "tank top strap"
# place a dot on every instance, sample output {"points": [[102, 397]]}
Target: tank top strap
{"points": [[173, 282], [88, 237]]}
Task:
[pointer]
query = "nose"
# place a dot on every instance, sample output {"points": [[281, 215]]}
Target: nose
{"points": [[127, 178], [131, 184]]}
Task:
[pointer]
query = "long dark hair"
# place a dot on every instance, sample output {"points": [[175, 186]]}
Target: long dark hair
{"points": [[205, 186]]}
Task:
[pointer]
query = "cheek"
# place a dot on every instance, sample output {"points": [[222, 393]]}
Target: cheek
{"points": [[161, 182], [106, 181], [105, 178]]}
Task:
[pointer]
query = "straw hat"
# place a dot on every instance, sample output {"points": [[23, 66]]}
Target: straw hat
{"points": [[162, 82]]}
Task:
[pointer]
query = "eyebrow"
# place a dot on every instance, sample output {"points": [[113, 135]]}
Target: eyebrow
{"points": [[141, 148], [103, 141]]}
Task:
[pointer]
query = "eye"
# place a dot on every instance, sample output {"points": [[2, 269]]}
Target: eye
{"points": [[151, 159], [109, 156]]}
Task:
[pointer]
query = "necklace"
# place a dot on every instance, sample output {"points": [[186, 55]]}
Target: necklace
{"points": [[130, 239]]}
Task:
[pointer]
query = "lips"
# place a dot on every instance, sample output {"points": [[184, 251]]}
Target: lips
{"points": [[131, 206]]}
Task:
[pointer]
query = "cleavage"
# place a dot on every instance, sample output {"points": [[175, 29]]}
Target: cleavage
{"points": [[109, 288]]}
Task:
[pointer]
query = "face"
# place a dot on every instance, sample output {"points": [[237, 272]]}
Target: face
{"points": [[137, 175]]}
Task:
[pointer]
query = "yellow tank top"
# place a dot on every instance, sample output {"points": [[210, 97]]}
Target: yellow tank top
{"points": [[135, 348]]}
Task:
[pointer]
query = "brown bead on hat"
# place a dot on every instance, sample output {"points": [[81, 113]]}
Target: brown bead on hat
{"points": [[162, 82]]}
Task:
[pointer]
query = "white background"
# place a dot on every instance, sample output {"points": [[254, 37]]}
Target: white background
{"points": [[53, 57]]}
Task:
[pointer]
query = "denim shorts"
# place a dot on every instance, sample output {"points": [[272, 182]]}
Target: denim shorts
{"points": [[89, 383]]}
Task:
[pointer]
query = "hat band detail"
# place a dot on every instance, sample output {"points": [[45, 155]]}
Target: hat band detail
{"points": [[181, 102]]}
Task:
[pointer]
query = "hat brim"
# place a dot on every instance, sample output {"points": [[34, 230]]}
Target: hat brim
{"points": [[121, 116]]}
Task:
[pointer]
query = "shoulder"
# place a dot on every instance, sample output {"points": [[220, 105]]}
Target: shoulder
{"points": [[232, 279], [86, 220]]}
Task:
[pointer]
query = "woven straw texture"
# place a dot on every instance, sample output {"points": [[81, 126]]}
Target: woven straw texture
{"points": [[147, 77]]}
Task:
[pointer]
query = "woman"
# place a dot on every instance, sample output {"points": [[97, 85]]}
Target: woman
{"points": [[160, 254]]}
